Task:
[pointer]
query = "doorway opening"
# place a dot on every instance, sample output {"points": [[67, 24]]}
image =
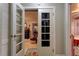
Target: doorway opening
{"points": [[39, 26], [74, 7], [31, 32]]}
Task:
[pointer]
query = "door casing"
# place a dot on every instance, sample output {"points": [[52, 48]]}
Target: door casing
{"points": [[67, 29]]}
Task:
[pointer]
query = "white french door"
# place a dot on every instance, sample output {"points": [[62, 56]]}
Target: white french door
{"points": [[17, 31], [46, 31]]}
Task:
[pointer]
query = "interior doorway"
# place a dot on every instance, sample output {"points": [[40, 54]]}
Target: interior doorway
{"points": [[74, 25], [31, 31], [37, 28], [39, 32]]}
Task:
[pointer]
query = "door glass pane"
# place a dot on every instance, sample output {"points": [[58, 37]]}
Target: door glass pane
{"points": [[45, 16], [19, 16], [45, 43], [19, 20], [18, 29], [45, 23], [18, 47], [45, 36], [45, 29], [18, 39]]}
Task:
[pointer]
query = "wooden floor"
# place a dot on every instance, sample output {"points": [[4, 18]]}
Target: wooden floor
{"points": [[29, 44], [31, 47]]}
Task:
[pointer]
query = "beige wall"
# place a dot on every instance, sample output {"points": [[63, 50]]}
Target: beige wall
{"points": [[4, 29]]}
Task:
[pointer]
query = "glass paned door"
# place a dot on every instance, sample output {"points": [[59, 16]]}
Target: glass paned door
{"points": [[46, 31], [17, 29]]}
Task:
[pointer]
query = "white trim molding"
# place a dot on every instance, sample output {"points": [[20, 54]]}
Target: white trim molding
{"points": [[67, 30]]}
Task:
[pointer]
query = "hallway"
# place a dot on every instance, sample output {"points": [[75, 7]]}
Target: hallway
{"points": [[50, 29], [31, 47], [42, 29], [29, 44]]}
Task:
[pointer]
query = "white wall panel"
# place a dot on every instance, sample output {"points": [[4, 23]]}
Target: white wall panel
{"points": [[4, 29]]}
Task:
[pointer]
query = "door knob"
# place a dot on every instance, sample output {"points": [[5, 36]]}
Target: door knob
{"points": [[13, 35]]}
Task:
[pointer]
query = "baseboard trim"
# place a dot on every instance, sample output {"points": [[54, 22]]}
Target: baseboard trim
{"points": [[60, 55]]}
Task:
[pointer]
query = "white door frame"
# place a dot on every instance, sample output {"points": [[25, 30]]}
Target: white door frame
{"points": [[39, 6], [67, 34]]}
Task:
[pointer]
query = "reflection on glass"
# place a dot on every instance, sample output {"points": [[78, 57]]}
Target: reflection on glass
{"points": [[45, 23], [45, 29], [45, 43], [19, 20], [19, 11], [18, 39], [45, 36], [18, 48], [19, 16], [45, 16], [18, 29]]}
